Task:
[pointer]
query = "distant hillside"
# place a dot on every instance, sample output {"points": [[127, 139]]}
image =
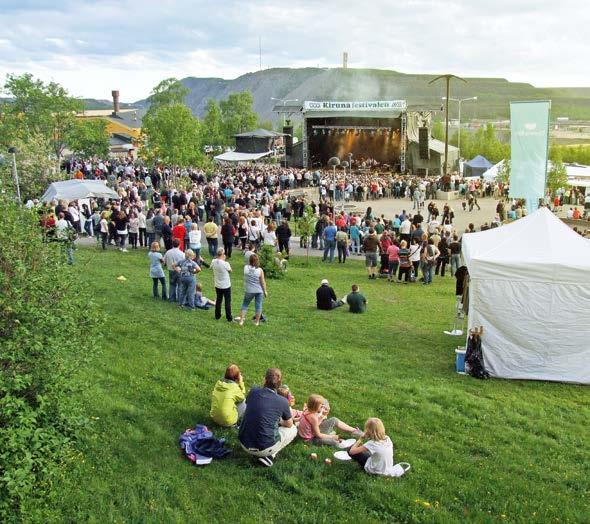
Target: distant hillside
{"points": [[494, 94], [93, 103]]}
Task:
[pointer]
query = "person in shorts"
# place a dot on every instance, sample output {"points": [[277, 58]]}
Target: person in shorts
{"points": [[371, 247]]}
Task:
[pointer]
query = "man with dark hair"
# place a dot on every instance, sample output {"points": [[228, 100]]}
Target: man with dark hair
{"points": [[357, 303], [267, 426]]}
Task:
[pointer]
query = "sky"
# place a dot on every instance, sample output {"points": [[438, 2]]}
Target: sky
{"points": [[92, 47]]}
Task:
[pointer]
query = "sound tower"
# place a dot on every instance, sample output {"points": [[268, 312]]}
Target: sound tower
{"points": [[288, 131], [423, 144]]}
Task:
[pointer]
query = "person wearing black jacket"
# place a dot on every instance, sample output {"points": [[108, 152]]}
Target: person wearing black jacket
{"points": [[283, 236], [167, 233], [326, 297]]}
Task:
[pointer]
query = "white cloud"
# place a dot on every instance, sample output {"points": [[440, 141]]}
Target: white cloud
{"points": [[92, 48]]}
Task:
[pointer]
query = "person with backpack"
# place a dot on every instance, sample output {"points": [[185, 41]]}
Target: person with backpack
{"points": [[428, 258]]}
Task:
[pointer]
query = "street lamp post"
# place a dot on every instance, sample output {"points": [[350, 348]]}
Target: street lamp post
{"points": [[344, 165], [284, 101], [334, 162], [12, 151], [460, 101]]}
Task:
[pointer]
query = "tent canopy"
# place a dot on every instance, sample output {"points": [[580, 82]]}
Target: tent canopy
{"points": [[480, 162], [77, 189], [234, 156], [530, 289]]}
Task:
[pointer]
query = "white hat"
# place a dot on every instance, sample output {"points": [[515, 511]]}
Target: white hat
{"points": [[325, 281]]}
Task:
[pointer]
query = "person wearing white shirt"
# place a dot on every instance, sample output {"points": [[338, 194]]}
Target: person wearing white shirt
{"points": [[221, 276], [404, 229], [375, 455], [141, 220]]}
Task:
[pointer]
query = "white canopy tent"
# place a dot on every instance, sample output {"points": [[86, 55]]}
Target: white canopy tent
{"points": [[530, 290], [234, 156], [78, 189]]}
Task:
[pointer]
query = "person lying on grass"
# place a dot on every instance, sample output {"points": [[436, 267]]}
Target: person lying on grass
{"points": [[375, 456], [316, 428]]}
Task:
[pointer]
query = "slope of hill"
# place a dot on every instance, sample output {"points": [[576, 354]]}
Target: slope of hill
{"points": [[494, 94]]}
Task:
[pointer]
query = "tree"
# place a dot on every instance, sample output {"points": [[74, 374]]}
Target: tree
{"points": [[89, 138], [238, 114], [213, 125], [556, 177], [34, 164], [306, 228], [172, 135], [37, 108], [438, 130], [167, 93]]}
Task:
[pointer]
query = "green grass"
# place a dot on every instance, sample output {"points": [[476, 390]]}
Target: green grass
{"points": [[481, 451]]}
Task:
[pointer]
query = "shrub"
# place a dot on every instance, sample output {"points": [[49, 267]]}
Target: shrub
{"points": [[271, 262], [48, 329]]}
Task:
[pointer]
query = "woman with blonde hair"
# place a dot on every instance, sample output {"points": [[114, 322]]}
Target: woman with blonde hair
{"points": [[375, 456]]}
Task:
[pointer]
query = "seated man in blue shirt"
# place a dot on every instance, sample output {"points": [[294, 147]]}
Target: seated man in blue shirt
{"points": [[267, 426]]}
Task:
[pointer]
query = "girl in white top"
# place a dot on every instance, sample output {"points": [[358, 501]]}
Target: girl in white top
{"points": [[376, 455], [269, 237], [194, 239]]}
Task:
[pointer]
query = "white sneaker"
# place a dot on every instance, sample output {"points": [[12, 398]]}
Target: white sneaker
{"points": [[124, 250]]}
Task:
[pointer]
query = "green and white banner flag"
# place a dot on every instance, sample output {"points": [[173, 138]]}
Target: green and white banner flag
{"points": [[529, 124]]}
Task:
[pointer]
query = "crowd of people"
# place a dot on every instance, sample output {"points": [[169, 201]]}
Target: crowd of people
{"points": [[268, 421]]}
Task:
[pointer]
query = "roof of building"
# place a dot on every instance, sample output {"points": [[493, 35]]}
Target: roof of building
{"points": [[131, 118], [259, 133]]}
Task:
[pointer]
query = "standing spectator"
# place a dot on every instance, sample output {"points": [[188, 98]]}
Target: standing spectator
{"points": [[342, 245], [371, 246], [329, 236], [221, 276], [254, 288], [171, 258], [133, 230], [179, 232], [187, 269], [167, 233], [156, 271], [227, 236], [284, 235], [455, 249], [211, 231], [141, 219]]}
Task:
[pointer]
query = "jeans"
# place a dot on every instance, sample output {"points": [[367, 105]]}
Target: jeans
{"points": [[330, 247], [142, 237], [223, 295], [105, 239], [342, 253], [133, 240], [393, 265], [428, 272], [258, 298], [212, 245], [68, 250], [173, 283], [355, 244], [162, 281], [441, 264], [122, 241], [150, 238], [186, 291], [228, 246], [455, 263], [284, 245]]}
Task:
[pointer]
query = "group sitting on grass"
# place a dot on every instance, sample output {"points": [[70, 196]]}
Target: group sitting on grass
{"points": [[267, 422]]}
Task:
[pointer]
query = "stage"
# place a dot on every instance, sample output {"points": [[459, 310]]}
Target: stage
{"points": [[366, 134]]}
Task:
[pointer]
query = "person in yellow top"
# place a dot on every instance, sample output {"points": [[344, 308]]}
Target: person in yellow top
{"points": [[227, 399], [211, 231]]}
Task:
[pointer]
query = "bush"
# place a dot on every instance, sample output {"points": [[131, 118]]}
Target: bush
{"points": [[271, 262], [48, 328]]}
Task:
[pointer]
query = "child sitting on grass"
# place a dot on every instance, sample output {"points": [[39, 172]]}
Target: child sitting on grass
{"points": [[375, 456], [316, 428], [200, 301], [285, 392]]}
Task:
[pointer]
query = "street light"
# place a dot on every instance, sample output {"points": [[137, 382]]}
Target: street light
{"points": [[334, 162], [344, 165], [459, 101], [12, 151], [284, 104]]}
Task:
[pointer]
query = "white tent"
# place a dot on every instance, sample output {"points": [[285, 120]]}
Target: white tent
{"points": [[530, 290], [234, 156], [77, 189]]}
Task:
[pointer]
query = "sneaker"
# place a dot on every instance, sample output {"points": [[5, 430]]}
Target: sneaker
{"points": [[124, 250], [265, 461], [241, 321]]}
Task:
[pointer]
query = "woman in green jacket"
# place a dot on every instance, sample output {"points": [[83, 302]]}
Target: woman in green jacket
{"points": [[227, 400]]}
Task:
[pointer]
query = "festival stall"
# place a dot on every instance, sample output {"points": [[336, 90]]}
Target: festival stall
{"points": [[530, 290], [78, 189], [476, 167]]}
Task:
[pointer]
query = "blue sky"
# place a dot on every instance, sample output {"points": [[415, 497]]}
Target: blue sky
{"points": [[92, 47]]}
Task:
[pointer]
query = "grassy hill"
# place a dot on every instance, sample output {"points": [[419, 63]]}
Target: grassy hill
{"points": [[481, 451], [494, 94]]}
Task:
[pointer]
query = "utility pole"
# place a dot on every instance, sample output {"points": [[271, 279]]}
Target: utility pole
{"points": [[447, 77], [12, 151]]}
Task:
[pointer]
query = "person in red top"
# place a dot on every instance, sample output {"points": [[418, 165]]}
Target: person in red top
{"points": [[179, 232], [341, 221], [577, 214]]}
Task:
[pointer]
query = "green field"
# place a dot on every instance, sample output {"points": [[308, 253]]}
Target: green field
{"points": [[481, 451]]}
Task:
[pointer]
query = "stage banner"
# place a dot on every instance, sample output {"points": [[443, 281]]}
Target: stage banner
{"points": [[529, 125], [344, 105]]}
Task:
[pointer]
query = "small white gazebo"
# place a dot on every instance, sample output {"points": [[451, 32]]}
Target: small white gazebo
{"points": [[78, 189]]}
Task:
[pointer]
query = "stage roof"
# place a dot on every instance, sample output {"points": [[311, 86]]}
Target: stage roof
{"points": [[439, 146], [353, 114], [259, 133]]}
